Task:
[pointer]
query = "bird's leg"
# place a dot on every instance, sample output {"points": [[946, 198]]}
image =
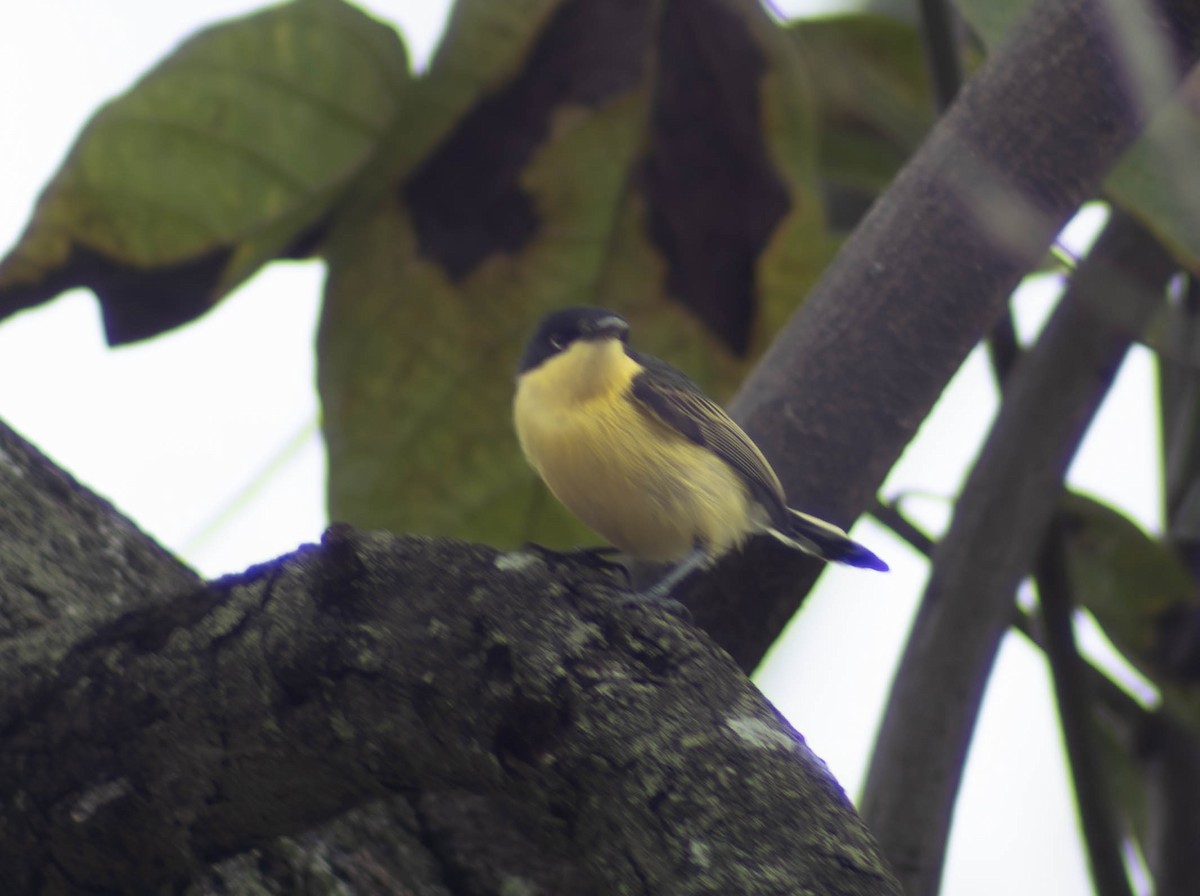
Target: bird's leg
{"points": [[660, 591], [598, 558]]}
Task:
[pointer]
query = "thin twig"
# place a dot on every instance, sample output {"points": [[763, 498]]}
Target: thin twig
{"points": [[890, 516], [1004, 349]]}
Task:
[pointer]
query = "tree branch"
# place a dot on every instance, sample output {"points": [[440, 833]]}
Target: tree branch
{"points": [[998, 525], [850, 378], [939, 39], [1076, 711], [1120, 707], [1173, 766], [145, 744]]}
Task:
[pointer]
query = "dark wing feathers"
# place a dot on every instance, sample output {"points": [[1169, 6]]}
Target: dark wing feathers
{"points": [[667, 395]]}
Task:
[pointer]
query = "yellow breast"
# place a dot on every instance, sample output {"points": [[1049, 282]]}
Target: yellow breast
{"points": [[635, 481]]}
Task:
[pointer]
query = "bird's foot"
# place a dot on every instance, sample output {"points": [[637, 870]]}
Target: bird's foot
{"points": [[658, 598], [592, 557]]}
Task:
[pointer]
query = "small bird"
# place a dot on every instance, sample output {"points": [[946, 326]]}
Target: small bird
{"points": [[642, 456]]}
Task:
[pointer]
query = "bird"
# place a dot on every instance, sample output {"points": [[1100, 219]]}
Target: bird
{"points": [[644, 458]]}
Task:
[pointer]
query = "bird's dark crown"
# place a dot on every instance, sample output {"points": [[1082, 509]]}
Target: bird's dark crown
{"points": [[558, 330]]}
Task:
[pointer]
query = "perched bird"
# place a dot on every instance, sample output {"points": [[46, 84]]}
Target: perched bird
{"points": [[641, 455]]}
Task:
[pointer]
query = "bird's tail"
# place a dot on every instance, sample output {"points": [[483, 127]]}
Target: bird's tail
{"points": [[825, 540]]}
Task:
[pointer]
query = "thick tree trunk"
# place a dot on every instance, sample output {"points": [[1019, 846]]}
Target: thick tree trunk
{"points": [[152, 725]]}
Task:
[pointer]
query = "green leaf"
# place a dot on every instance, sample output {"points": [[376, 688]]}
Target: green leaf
{"points": [[992, 19], [873, 96], [1155, 180], [557, 154], [1140, 594], [230, 152]]}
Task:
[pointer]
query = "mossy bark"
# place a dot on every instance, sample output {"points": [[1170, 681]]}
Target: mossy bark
{"points": [[527, 729]]}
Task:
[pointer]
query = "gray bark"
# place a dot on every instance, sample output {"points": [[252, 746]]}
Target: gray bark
{"points": [[512, 707], [854, 373]]}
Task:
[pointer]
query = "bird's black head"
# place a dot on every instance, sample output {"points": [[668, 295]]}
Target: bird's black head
{"points": [[559, 329]]}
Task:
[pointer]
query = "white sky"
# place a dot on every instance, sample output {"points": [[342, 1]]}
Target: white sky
{"points": [[174, 430]]}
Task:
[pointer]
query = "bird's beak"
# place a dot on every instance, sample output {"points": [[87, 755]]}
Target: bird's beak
{"points": [[611, 327]]}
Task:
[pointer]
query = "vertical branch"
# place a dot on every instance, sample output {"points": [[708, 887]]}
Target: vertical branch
{"points": [[1172, 750], [1174, 778], [993, 540], [1076, 703], [939, 38]]}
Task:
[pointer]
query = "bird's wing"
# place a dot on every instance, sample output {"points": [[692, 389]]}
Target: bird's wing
{"points": [[668, 396]]}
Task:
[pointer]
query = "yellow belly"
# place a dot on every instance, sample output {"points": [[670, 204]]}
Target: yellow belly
{"points": [[656, 502]]}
